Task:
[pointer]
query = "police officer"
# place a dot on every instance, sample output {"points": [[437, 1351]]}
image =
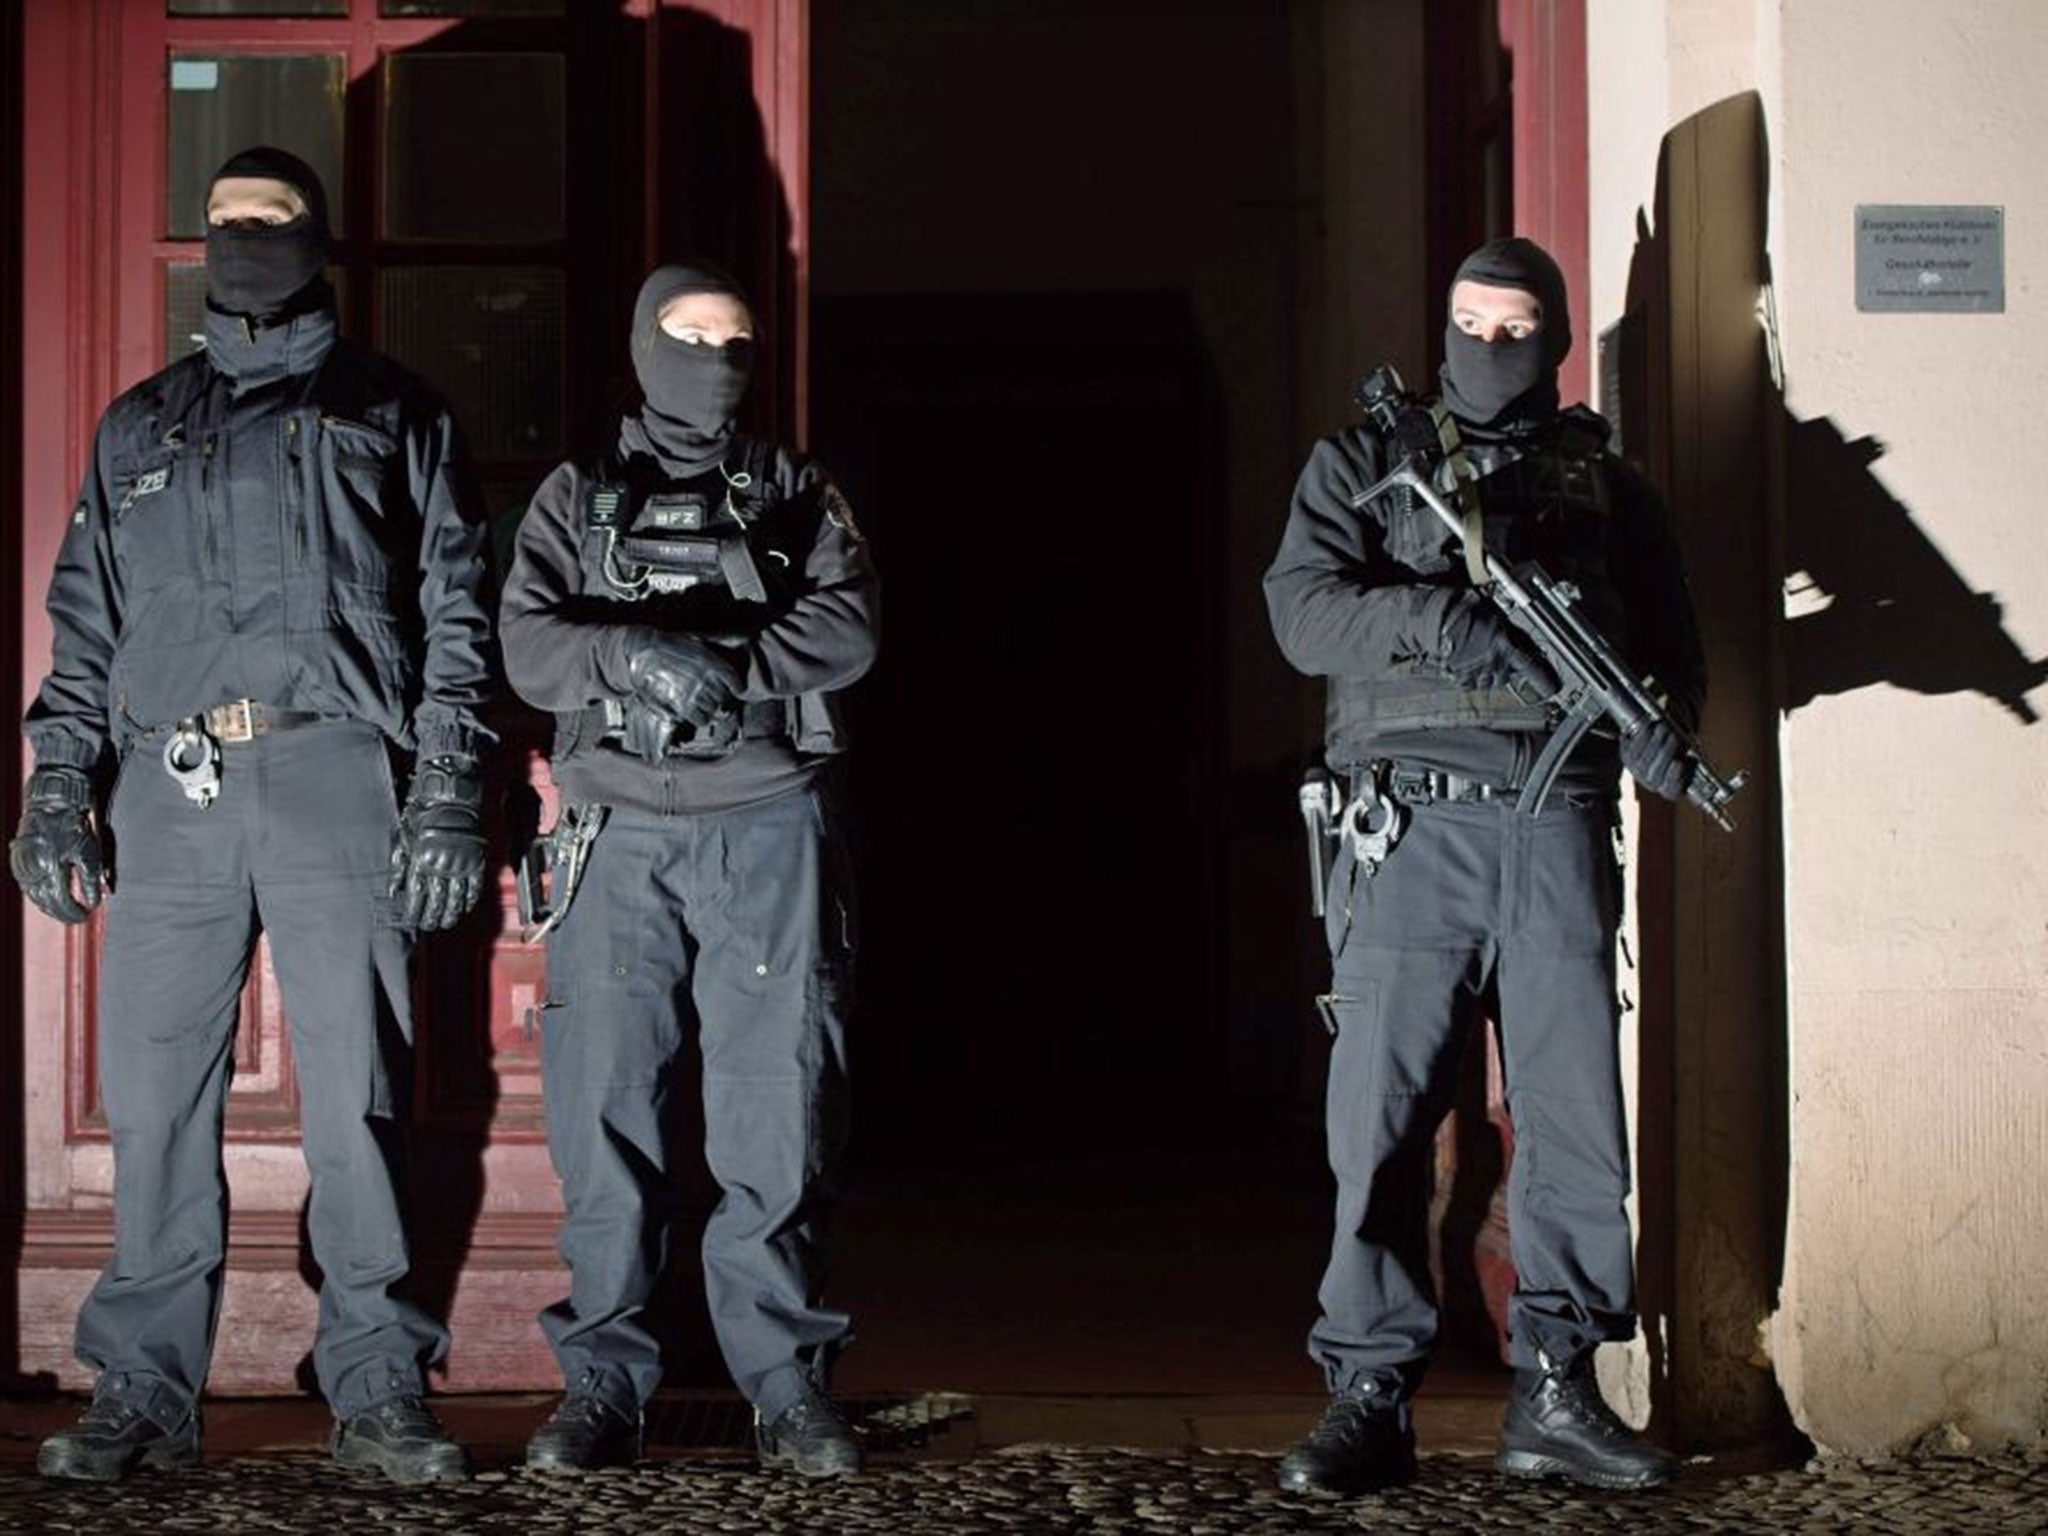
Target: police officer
{"points": [[689, 606], [1437, 703], [272, 578]]}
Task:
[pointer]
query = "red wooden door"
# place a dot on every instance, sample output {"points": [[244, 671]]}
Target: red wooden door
{"points": [[502, 171], [1507, 155]]}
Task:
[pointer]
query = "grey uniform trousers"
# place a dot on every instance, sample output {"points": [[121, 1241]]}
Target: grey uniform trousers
{"points": [[297, 846], [732, 926], [1476, 893]]}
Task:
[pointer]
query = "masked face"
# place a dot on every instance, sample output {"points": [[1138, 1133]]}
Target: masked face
{"points": [[692, 345], [264, 245], [1509, 328], [1495, 351], [697, 360]]}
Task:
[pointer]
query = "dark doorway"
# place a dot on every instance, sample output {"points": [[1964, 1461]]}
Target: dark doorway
{"points": [[1078, 271], [1038, 758], [1054, 298]]}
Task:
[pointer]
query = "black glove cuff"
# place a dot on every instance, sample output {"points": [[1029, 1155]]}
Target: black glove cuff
{"points": [[1458, 649], [449, 779], [58, 789]]}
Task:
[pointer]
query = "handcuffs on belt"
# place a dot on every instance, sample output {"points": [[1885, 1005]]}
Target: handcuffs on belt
{"points": [[1372, 822], [192, 758], [192, 751]]}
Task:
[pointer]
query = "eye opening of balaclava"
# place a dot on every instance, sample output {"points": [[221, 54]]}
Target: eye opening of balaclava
{"points": [[691, 393], [275, 269], [1508, 381]]}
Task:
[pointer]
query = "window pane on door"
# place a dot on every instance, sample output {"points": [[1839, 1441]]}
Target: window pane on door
{"points": [[473, 147], [257, 8], [222, 103], [507, 501], [184, 302], [490, 339], [469, 7]]}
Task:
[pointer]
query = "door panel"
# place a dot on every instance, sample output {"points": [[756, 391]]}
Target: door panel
{"points": [[496, 195]]}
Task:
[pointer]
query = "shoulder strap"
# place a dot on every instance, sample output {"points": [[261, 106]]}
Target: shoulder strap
{"points": [[1583, 459], [1582, 430], [756, 460]]}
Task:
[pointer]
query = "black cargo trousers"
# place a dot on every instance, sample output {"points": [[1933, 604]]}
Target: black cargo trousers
{"points": [[1476, 894], [298, 846], [732, 926]]}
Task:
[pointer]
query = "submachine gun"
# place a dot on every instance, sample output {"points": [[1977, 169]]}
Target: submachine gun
{"points": [[1597, 684]]}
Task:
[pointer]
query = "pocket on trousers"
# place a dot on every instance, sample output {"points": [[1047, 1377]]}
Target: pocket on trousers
{"points": [[114, 789], [595, 1049], [1349, 1006], [1372, 1053]]}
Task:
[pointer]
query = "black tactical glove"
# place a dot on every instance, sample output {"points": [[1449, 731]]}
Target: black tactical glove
{"points": [[437, 867], [1656, 755], [684, 676], [647, 730], [1479, 648], [55, 839]]}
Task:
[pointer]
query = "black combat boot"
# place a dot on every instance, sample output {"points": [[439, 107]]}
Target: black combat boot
{"points": [[1364, 1443], [809, 1437], [1558, 1425], [402, 1439], [113, 1438], [583, 1434]]}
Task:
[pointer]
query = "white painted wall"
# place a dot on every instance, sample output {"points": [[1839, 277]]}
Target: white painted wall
{"points": [[1916, 829], [1915, 825]]}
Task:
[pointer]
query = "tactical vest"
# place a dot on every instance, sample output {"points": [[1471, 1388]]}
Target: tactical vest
{"points": [[708, 556], [1548, 499]]}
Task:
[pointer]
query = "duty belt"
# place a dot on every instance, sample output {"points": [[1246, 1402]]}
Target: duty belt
{"points": [[757, 720], [192, 745], [1430, 786], [246, 719]]}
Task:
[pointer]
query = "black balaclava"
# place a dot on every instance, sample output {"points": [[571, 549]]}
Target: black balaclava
{"points": [[276, 269], [1508, 382], [692, 393]]}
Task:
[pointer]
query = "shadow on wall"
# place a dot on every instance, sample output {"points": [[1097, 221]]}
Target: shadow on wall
{"points": [[1894, 610], [1695, 407], [1765, 504], [1876, 601]]}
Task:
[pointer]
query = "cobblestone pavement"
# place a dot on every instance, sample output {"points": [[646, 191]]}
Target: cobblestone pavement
{"points": [[1050, 1489]]}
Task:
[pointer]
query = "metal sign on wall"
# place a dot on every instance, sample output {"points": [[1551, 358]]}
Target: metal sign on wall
{"points": [[1930, 260]]}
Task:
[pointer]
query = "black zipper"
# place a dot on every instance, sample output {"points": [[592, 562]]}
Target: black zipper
{"points": [[287, 498], [206, 500]]}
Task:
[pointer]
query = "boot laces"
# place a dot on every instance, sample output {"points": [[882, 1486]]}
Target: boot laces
{"points": [[109, 1414], [407, 1418], [581, 1409], [813, 1411], [1353, 1420], [1579, 1390]]}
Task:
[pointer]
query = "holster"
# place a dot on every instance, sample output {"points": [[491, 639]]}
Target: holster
{"points": [[563, 851]]}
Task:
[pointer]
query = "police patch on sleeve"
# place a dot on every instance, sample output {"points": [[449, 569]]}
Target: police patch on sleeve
{"points": [[839, 511]]}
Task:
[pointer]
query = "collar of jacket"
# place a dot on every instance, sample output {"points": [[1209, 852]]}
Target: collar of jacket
{"points": [[250, 353]]}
